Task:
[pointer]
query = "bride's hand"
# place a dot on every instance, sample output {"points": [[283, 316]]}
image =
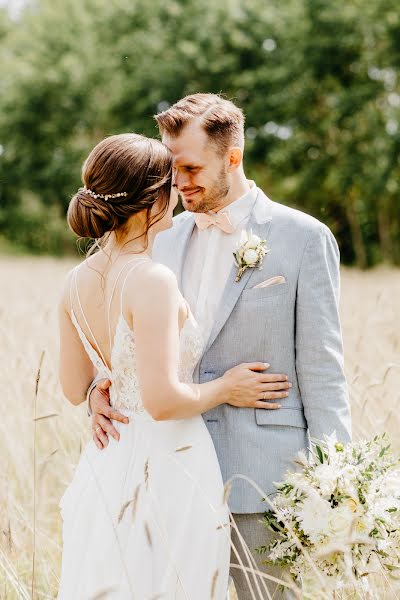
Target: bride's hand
{"points": [[249, 388]]}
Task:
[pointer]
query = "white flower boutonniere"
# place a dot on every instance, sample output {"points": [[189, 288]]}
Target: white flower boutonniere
{"points": [[250, 253]]}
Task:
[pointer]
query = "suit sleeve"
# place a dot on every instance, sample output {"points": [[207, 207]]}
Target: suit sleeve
{"points": [[319, 346]]}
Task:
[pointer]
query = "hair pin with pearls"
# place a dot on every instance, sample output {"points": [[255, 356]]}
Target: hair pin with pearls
{"points": [[104, 196]]}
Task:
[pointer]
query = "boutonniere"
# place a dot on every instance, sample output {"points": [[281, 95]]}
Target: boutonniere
{"points": [[250, 253]]}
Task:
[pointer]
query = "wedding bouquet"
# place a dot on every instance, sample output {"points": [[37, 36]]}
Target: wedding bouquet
{"points": [[337, 520]]}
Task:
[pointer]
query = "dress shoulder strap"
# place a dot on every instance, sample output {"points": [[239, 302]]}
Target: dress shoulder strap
{"points": [[136, 260], [144, 259], [75, 320]]}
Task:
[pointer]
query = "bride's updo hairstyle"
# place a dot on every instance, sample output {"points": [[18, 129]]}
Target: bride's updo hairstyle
{"points": [[122, 176]]}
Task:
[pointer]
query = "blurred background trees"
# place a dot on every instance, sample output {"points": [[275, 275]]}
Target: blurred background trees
{"points": [[317, 79]]}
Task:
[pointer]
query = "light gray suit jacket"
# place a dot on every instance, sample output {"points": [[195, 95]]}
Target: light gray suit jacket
{"points": [[294, 326]]}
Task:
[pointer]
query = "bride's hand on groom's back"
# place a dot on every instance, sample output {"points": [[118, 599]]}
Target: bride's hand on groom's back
{"points": [[102, 413], [251, 388]]}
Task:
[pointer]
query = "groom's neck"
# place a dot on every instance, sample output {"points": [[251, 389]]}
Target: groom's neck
{"points": [[239, 187]]}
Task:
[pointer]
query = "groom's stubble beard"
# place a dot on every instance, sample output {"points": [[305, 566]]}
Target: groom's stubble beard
{"points": [[213, 196]]}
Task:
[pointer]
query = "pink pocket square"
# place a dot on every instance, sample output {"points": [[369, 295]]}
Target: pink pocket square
{"points": [[271, 281]]}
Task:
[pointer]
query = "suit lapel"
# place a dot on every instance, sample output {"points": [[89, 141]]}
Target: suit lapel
{"points": [[234, 289], [181, 246]]}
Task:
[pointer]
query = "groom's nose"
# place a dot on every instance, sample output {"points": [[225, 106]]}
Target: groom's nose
{"points": [[181, 180]]}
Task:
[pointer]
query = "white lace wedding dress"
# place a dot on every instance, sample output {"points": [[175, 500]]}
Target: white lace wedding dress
{"points": [[145, 518]]}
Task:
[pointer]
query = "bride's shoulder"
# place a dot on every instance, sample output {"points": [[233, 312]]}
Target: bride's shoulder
{"points": [[65, 295], [153, 283], [156, 273]]}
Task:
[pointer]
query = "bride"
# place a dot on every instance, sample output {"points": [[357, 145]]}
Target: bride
{"points": [[145, 517]]}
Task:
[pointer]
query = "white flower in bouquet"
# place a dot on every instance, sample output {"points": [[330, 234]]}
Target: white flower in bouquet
{"points": [[313, 516], [327, 478], [340, 523], [337, 520]]}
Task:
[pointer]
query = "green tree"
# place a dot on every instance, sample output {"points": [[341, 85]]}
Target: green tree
{"points": [[318, 81]]}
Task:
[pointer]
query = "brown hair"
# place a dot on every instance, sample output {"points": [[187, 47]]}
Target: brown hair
{"points": [[220, 119], [140, 168]]}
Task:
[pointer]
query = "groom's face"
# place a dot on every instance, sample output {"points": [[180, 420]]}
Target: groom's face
{"points": [[200, 172]]}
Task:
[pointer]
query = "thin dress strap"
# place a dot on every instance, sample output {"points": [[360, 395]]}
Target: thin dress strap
{"points": [[99, 352], [139, 260], [123, 286]]}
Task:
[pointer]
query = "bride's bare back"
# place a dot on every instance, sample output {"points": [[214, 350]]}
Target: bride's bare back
{"points": [[100, 293]]}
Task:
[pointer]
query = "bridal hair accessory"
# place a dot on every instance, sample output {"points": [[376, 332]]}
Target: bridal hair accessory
{"points": [[250, 253], [103, 196]]}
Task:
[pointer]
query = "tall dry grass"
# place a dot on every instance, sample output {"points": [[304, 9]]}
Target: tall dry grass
{"points": [[41, 436]]}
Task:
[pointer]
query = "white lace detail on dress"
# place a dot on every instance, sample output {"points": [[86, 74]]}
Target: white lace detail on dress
{"points": [[191, 349], [125, 391]]}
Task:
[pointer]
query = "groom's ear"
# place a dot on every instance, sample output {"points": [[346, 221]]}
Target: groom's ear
{"points": [[235, 156]]}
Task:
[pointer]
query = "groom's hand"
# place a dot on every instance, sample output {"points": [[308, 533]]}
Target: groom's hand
{"points": [[102, 413], [250, 387]]}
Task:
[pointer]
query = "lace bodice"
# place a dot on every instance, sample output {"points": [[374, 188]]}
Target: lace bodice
{"points": [[124, 375], [124, 392]]}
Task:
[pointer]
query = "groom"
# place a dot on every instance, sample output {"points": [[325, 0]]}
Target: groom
{"points": [[285, 313]]}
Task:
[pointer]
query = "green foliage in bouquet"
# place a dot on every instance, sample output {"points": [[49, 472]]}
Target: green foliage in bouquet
{"points": [[337, 519]]}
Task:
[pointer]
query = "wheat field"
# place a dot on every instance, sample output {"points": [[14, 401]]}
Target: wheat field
{"points": [[41, 435]]}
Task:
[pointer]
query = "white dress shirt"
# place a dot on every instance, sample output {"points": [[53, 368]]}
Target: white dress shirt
{"points": [[210, 258]]}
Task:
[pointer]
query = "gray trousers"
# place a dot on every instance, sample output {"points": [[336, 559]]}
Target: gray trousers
{"points": [[254, 535]]}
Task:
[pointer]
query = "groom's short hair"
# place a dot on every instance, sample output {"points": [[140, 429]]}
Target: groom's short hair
{"points": [[221, 119]]}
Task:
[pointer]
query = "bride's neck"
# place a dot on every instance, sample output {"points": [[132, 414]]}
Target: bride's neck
{"points": [[128, 243]]}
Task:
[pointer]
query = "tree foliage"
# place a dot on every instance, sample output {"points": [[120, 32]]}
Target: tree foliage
{"points": [[318, 81]]}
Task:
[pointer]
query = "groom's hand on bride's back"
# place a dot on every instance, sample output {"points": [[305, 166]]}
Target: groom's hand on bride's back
{"points": [[250, 387], [102, 413]]}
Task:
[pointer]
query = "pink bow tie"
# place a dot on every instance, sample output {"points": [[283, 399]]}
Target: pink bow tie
{"points": [[220, 220]]}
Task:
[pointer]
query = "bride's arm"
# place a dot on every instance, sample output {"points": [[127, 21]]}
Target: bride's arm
{"points": [[156, 310], [76, 369], [156, 324]]}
